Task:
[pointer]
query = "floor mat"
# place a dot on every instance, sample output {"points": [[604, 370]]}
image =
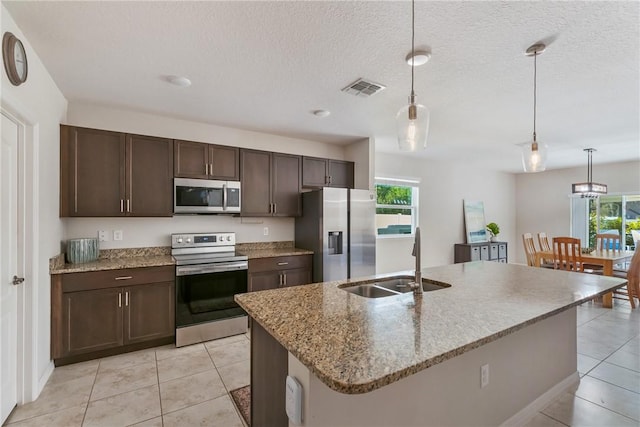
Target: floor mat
{"points": [[242, 398]]}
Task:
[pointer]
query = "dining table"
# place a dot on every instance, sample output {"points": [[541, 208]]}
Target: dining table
{"points": [[606, 258]]}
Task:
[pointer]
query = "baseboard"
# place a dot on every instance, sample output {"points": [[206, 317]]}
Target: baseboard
{"points": [[523, 416], [42, 381]]}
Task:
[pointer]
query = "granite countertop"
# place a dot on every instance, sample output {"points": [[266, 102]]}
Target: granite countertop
{"points": [[256, 250], [269, 253], [116, 259], [355, 344]]}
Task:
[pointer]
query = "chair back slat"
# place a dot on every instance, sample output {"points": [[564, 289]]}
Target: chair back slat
{"points": [[566, 254], [529, 249], [606, 242], [633, 276], [543, 240]]}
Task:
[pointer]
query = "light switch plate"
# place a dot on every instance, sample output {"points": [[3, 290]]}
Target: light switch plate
{"points": [[294, 400], [102, 235], [117, 234]]}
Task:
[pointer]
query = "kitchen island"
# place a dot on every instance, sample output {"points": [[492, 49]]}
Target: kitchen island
{"points": [[398, 360]]}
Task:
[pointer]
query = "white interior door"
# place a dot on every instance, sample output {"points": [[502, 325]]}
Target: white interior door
{"points": [[8, 267]]}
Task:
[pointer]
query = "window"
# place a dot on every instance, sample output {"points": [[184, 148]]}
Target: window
{"points": [[396, 207], [617, 214]]}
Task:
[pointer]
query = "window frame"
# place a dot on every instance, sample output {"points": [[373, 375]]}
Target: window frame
{"points": [[412, 183]]}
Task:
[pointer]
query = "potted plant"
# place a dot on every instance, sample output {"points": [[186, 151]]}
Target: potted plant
{"points": [[494, 229]]}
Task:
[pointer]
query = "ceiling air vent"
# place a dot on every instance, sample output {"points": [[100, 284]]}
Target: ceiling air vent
{"points": [[363, 88]]}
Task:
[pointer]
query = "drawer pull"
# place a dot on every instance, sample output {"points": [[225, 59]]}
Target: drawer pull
{"points": [[283, 263], [124, 277]]}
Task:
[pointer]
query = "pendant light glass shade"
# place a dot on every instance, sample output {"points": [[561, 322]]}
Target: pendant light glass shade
{"points": [[413, 126], [534, 157]]}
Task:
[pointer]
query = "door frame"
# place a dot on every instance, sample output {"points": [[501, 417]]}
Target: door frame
{"points": [[27, 381]]}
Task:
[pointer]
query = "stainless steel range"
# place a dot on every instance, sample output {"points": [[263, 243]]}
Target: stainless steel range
{"points": [[208, 275]]}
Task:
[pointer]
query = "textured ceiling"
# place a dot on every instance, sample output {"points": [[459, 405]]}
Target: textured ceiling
{"points": [[266, 65]]}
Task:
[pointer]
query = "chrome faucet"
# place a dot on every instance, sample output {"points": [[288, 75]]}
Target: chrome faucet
{"points": [[417, 284]]}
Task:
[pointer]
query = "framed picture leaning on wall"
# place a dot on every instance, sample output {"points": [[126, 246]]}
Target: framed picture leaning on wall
{"points": [[474, 221]]}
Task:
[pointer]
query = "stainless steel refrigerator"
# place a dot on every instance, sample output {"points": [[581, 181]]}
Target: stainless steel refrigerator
{"points": [[338, 225]]}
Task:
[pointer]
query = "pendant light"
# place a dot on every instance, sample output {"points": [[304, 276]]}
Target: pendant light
{"points": [[534, 154], [589, 189], [412, 120]]}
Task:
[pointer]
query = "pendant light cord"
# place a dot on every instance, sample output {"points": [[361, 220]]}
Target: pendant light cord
{"points": [[413, 36], [535, 79]]}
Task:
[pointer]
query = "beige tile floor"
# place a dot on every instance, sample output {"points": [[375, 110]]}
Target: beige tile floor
{"points": [[189, 386], [162, 386]]}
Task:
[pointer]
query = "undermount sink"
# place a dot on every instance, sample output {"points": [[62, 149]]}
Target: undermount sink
{"points": [[392, 286]]}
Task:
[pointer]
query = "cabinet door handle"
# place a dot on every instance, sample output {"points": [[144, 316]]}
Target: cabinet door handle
{"points": [[124, 277], [119, 299], [280, 279], [284, 279], [211, 169], [126, 299], [329, 179], [128, 205], [121, 205], [275, 208], [206, 168], [283, 263]]}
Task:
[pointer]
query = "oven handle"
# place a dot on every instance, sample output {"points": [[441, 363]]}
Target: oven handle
{"points": [[188, 270]]}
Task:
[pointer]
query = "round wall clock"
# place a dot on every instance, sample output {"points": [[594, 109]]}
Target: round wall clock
{"points": [[15, 59]]}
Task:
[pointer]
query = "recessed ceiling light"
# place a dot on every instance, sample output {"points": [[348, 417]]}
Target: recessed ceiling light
{"points": [[179, 81], [321, 113], [420, 57]]}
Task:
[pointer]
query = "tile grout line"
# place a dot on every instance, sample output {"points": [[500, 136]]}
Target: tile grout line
{"points": [[95, 379], [608, 409], [558, 421], [155, 356], [225, 386]]}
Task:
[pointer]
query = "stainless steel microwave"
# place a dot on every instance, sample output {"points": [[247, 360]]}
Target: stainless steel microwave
{"points": [[201, 196]]}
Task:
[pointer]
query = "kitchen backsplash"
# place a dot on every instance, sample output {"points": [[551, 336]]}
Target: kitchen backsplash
{"points": [[156, 232]]}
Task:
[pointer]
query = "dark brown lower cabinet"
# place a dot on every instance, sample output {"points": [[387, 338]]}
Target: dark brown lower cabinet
{"points": [[92, 321], [279, 272], [100, 313], [149, 312]]}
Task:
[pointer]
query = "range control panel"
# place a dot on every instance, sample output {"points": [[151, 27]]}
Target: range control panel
{"points": [[194, 240]]}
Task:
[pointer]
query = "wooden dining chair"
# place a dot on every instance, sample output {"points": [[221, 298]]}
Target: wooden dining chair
{"points": [[608, 241], [543, 240], [567, 254], [529, 249], [632, 290], [545, 246], [605, 242]]}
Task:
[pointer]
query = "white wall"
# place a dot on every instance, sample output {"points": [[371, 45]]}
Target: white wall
{"points": [[443, 187], [39, 104], [543, 202], [140, 232]]}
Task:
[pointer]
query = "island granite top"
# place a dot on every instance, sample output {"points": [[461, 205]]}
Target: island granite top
{"points": [[355, 344]]}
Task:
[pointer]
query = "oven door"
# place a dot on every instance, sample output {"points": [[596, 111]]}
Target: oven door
{"points": [[208, 296]]}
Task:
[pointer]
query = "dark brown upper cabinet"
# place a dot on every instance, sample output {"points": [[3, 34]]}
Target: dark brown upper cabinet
{"points": [[318, 172], [105, 174], [270, 183], [205, 161]]}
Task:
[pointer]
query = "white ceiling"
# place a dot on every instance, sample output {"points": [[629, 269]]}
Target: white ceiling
{"points": [[266, 65]]}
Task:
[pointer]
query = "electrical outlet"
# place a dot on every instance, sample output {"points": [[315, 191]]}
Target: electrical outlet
{"points": [[117, 234], [102, 235], [266, 231], [484, 376]]}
